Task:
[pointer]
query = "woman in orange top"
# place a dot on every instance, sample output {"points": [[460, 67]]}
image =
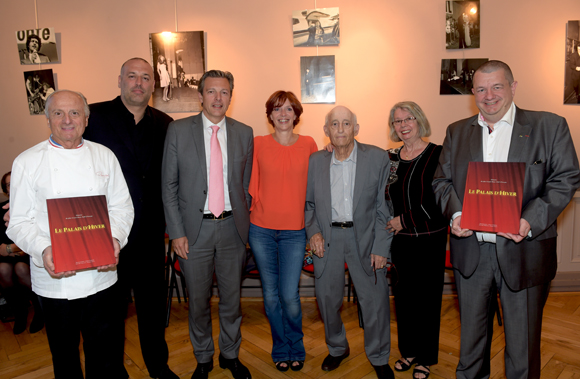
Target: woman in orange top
{"points": [[277, 235]]}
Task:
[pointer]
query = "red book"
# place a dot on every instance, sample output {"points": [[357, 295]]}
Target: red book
{"points": [[80, 233], [493, 197]]}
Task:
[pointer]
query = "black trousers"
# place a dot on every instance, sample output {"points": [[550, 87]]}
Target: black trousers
{"points": [[420, 263], [142, 269], [99, 318]]}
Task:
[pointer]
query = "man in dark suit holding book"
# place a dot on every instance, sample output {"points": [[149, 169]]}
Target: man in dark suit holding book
{"points": [[523, 264]]}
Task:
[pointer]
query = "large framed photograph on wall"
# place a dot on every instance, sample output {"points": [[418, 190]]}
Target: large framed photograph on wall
{"points": [[178, 64], [572, 75]]}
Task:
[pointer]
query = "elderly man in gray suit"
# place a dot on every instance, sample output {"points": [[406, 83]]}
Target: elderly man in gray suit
{"points": [[346, 216], [207, 164], [523, 264]]}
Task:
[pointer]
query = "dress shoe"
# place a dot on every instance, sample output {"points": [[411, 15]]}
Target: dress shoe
{"points": [[37, 323], [239, 371], [202, 370], [384, 372], [331, 363]]}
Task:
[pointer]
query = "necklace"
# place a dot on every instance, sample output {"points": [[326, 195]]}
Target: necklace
{"points": [[409, 154]]}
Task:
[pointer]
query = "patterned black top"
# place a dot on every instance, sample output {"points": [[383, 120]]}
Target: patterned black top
{"points": [[411, 192]]}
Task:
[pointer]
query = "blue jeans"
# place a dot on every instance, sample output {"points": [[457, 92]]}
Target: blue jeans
{"points": [[279, 255]]}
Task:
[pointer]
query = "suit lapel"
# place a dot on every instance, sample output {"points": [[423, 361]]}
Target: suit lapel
{"points": [[325, 183], [231, 137], [198, 141], [360, 176], [475, 142], [520, 134]]}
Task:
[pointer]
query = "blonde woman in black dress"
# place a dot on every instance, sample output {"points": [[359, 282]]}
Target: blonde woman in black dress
{"points": [[419, 243]]}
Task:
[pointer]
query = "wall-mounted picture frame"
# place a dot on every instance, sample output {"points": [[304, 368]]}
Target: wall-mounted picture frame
{"points": [[457, 75], [572, 73], [318, 80], [316, 27], [462, 24], [178, 64], [37, 46], [38, 85]]}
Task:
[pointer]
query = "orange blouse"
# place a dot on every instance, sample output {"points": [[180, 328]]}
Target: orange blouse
{"points": [[278, 182]]}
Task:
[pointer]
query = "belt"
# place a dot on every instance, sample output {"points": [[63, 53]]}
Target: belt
{"points": [[210, 216], [344, 225]]}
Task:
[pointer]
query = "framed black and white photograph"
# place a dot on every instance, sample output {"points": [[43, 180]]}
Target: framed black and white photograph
{"points": [[37, 46], [178, 64], [39, 84], [318, 80], [572, 75], [457, 75], [462, 26], [316, 27]]}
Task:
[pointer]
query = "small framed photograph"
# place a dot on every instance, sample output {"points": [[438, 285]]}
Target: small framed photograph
{"points": [[39, 84], [462, 26], [316, 27], [572, 75], [37, 46], [457, 75], [318, 80]]}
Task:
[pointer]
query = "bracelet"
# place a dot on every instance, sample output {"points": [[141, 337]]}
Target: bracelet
{"points": [[8, 249]]}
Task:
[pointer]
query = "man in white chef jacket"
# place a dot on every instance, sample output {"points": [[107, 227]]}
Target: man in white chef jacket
{"points": [[87, 301]]}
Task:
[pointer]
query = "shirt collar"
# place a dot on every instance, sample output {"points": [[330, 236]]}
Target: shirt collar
{"points": [[207, 124], [127, 113], [59, 146], [351, 157], [508, 117]]}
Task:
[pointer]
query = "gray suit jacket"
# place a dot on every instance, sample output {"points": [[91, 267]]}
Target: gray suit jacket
{"points": [[542, 141], [184, 176], [370, 211]]}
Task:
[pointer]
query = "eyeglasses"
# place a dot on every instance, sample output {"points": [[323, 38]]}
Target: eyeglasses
{"points": [[404, 121]]}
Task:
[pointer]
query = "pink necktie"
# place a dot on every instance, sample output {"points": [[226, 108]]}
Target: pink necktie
{"points": [[216, 176]]}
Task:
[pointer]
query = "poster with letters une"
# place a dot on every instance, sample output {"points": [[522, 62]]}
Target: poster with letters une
{"points": [[493, 197], [80, 233]]}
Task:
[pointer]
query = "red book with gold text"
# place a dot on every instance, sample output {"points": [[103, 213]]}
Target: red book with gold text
{"points": [[493, 197], [80, 233]]}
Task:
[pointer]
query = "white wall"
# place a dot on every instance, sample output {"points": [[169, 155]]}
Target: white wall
{"points": [[389, 51]]}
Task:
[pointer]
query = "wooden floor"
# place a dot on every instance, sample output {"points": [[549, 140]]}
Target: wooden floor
{"points": [[28, 356]]}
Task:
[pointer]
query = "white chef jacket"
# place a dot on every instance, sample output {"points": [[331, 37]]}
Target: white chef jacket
{"points": [[49, 172]]}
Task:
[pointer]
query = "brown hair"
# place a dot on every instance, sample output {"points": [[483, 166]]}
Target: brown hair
{"points": [[492, 66], [277, 99], [216, 74]]}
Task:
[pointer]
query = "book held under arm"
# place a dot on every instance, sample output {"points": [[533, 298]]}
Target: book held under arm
{"points": [[493, 197], [80, 233]]}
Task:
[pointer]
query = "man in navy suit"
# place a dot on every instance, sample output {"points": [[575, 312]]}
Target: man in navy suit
{"points": [[135, 133], [521, 265]]}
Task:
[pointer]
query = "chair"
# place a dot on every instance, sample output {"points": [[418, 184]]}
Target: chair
{"points": [[172, 269]]}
